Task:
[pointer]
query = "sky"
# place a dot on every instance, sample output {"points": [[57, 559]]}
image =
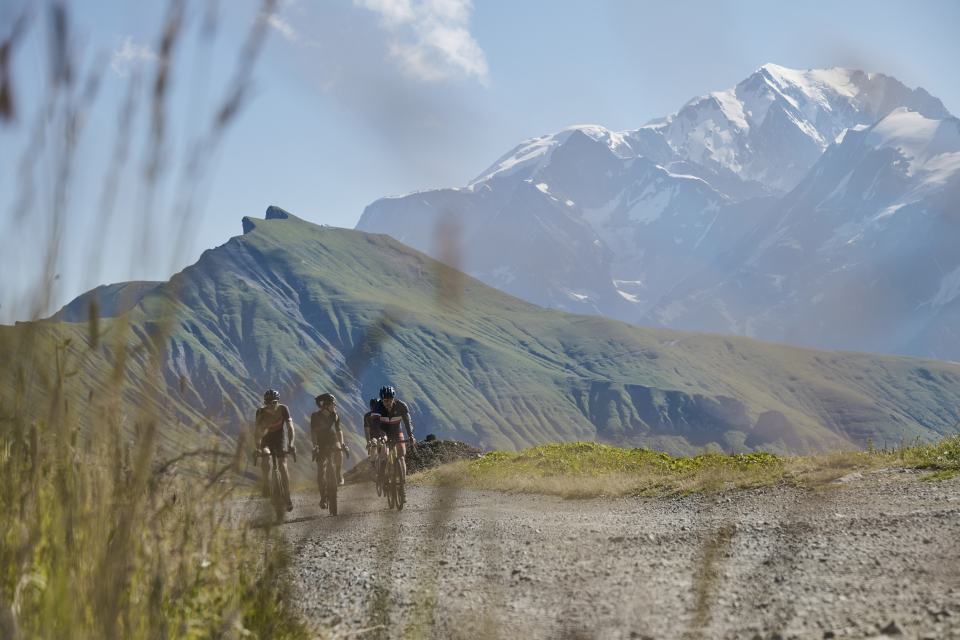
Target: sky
{"points": [[353, 100]]}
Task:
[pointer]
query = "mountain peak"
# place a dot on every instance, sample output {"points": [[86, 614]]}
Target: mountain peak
{"points": [[273, 213], [276, 213]]}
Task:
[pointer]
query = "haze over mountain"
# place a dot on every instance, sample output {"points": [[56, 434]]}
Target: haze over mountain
{"points": [[309, 309], [862, 254], [593, 221]]}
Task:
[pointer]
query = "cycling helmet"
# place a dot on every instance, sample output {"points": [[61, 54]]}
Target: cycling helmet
{"points": [[270, 396], [387, 393], [373, 403], [324, 399]]}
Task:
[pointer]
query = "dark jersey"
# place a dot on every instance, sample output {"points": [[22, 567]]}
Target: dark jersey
{"points": [[389, 420], [272, 419], [323, 423], [367, 421]]}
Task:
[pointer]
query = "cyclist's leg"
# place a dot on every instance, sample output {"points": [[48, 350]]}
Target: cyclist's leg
{"points": [[384, 459], [284, 477], [320, 472], [401, 456], [322, 476], [384, 450], [338, 463], [265, 466]]}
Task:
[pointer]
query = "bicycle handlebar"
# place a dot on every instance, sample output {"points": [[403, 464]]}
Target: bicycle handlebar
{"points": [[273, 454], [344, 448]]}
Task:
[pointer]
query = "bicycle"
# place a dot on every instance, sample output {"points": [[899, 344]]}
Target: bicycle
{"points": [[277, 496], [328, 493], [393, 483], [378, 464]]}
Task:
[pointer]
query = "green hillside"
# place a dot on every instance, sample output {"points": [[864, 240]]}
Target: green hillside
{"points": [[307, 309]]}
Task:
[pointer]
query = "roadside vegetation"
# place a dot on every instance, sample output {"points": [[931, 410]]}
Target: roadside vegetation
{"points": [[116, 519], [100, 539], [588, 470]]}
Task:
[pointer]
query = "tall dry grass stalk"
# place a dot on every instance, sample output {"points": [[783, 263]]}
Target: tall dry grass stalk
{"points": [[99, 539], [104, 533]]}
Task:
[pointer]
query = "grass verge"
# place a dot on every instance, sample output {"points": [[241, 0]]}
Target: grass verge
{"points": [[94, 547], [588, 470]]}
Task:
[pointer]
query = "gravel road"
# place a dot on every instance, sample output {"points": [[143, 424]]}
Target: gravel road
{"points": [[877, 556]]}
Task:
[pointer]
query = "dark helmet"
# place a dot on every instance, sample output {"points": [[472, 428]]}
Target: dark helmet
{"points": [[373, 403], [270, 396], [324, 399], [387, 393]]}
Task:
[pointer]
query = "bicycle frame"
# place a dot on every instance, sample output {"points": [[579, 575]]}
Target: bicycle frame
{"points": [[394, 485], [278, 497], [329, 495]]}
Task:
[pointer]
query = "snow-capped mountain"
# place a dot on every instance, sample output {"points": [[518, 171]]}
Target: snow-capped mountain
{"points": [[772, 127], [769, 129], [863, 255], [594, 221]]}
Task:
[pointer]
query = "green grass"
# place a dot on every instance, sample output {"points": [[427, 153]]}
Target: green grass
{"points": [[586, 470], [942, 474]]}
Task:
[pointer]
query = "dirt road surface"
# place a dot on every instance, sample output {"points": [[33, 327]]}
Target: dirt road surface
{"points": [[877, 556]]}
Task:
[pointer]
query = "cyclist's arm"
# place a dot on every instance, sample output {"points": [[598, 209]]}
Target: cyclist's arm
{"points": [[288, 421], [336, 424], [408, 424], [257, 431]]}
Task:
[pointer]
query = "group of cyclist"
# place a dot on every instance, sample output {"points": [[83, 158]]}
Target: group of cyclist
{"points": [[273, 432]]}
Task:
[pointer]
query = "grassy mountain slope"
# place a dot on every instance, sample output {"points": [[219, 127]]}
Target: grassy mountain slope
{"points": [[307, 309]]}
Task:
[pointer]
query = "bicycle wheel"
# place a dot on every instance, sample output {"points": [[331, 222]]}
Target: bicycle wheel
{"points": [[388, 485], [401, 489], [331, 488], [278, 498]]}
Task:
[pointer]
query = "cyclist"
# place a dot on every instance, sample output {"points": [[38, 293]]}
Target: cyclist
{"points": [[270, 421], [386, 417], [326, 434], [368, 432]]}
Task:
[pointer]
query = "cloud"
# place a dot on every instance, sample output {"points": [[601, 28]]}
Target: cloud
{"points": [[281, 25], [431, 40], [130, 55]]}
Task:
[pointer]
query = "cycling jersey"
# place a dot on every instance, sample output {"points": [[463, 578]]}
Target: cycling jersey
{"points": [[389, 420], [272, 419], [368, 425], [325, 425]]}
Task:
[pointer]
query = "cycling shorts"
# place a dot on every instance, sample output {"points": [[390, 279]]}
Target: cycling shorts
{"points": [[326, 438], [394, 432], [276, 441]]}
